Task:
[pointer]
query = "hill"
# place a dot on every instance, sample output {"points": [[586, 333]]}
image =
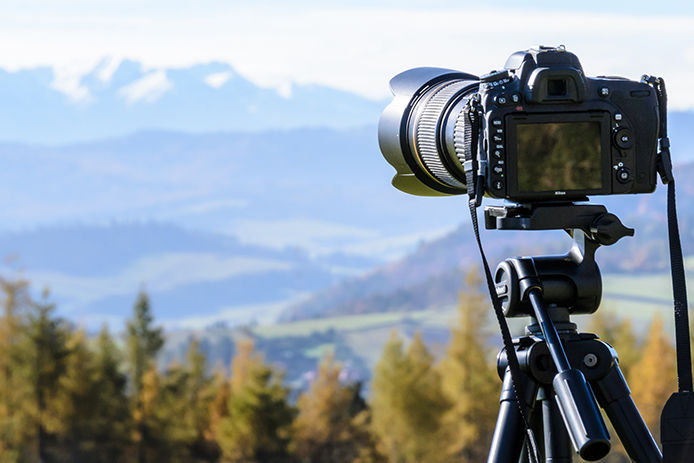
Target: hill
{"points": [[295, 210], [194, 278], [431, 276]]}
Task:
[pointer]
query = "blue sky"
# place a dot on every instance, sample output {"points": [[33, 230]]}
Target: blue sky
{"points": [[355, 45]]}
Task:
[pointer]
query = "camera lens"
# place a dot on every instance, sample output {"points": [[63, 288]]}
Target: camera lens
{"points": [[416, 132], [431, 131]]}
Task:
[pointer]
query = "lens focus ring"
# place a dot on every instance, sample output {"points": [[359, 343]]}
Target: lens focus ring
{"points": [[428, 129]]}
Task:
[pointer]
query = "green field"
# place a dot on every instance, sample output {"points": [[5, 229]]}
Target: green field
{"points": [[358, 340], [362, 337]]}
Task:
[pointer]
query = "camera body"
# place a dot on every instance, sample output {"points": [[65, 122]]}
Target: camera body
{"points": [[546, 131]]}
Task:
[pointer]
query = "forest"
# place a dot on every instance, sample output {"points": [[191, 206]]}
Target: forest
{"points": [[68, 396]]}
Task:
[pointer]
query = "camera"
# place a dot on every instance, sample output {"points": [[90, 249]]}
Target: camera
{"points": [[543, 131]]}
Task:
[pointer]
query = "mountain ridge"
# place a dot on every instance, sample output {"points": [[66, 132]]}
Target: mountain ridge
{"points": [[201, 98]]}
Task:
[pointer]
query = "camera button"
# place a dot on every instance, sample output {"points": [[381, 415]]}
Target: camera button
{"points": [[515, 98], [498, 153], [623, 175], [623, 138], [498, 185], [496, 122], [498, 139], [501, 99], [498, 170]]}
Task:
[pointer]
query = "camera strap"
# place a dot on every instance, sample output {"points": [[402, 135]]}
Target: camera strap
{"points": [[677, 418], [679, 282], [472, 114]]}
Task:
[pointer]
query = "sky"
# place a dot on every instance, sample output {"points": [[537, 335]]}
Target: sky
{"points": [[355, 46]]}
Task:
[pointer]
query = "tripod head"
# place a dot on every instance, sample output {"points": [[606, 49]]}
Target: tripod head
{"points": [[548, 289], [571, 280]]}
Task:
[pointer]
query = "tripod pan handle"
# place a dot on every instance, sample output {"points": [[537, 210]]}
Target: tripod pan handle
{"points": [[581, 415]]}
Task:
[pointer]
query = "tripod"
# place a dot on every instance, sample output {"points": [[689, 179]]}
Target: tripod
{"points": [[565, 374]]}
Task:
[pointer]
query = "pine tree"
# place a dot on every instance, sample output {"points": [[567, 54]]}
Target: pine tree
{"points": [[219, 406], [182, 410], [16, 394], [408, 403], [325, 431], [256, 429], [76, 397], [150, 440], [47, 353], [470, 381], [365, 440], [653, 378], [111, 421], [143, 344]]}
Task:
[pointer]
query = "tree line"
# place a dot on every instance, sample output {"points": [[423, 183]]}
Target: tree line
{"points": [[69, 397]]}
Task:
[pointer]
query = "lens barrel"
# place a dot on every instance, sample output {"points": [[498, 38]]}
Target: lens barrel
{"points": [[416, 131]]}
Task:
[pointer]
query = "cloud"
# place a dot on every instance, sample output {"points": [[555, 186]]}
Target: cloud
{"points": [[218, 79], [106, 68], [148, 88], [353, 48], [68, 81]]}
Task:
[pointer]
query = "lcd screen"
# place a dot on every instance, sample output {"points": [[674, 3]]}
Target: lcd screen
{"points": [[560, 156]]}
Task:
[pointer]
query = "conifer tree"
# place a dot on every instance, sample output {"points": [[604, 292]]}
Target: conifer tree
{"points": [[111, 420], [150, 442], [182, 411], [365, 440], [653, 378], [325, 430], [143, 343], [408, 403], [257, 427], [76, 398], [16, 394], [470, 380], [199, 393], [46, 353], [219, 406]]}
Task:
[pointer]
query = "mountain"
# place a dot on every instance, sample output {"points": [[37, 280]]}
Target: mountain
{"points": [[118, 98], [113, 101], [432, 275], [314, 204], [327, 191], [231, 226]]}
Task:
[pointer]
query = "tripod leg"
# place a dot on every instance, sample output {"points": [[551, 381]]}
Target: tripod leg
{"points": [[509, 433], [614, 397], [557, 444]]}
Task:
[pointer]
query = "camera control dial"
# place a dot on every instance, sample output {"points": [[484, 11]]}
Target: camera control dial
{"points": [[494, 76], [623, 175]]}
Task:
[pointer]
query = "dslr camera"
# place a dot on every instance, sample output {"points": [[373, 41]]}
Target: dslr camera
{"points": [[541, 131]]}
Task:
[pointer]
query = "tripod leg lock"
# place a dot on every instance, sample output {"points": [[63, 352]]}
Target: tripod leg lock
{"points": [[581, 415]]}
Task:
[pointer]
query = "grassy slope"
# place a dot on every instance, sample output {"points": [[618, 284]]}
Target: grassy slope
{"points": [[636, 297]]}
